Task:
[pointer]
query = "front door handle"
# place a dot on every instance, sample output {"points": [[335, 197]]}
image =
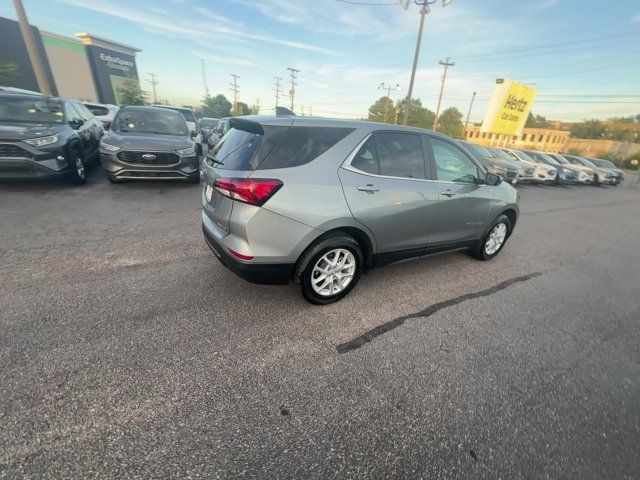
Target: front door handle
{"points": [[368, 188], [448, 193]]}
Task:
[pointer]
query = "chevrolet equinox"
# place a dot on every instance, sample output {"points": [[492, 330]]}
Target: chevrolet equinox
{"points": [[318, 201]]}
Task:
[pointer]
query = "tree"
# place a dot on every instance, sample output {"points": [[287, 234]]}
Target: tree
{"points": [[419, 116], [254, 109], [241, 109], [130, 93], [376, 111], [216, 107], [589, 129], [8, 71], [450, 123], [536, 121]]}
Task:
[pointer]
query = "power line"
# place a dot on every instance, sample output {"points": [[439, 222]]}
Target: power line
{"points": [[292, 91], [153, 83], [277, 89], [587, 70], [204, 79], [235, 90]]}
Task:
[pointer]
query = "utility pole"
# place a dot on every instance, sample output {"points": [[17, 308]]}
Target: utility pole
{"points": [[386, 104], [257, 106], [397, 113], [302, 110], [423, 12], [446, 64], [204, 79], [466, 124], [235, 90], [153, 83], [292, 92], [277, 89], [37, 62]]}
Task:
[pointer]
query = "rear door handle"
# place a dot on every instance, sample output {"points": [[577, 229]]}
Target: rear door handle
{"points": [[448, 193], [368, 188]]}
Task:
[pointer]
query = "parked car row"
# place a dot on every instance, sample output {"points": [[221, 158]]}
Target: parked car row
{"points": [[516, 165], [53, 137]]}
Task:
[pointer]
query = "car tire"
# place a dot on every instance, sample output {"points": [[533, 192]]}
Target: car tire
{"points": [[485, 249], [317, 257], [78, 173]]}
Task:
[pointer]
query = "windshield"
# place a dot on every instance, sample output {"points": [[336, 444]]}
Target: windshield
{"points": [[186, 113], [541, 157], [16, 109], [159, 121], [478, 151], [603, 163], [502, 155], [562, 160], [586, 162], [524, 156]]}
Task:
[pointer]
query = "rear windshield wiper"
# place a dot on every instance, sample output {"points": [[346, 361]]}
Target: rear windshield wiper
{"points": [[214, 161]]}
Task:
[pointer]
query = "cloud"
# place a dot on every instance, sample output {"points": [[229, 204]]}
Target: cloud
{"points": [[542, 5], [223, 59], [201, 29]]}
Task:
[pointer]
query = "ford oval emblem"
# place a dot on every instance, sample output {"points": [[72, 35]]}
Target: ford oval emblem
{"points": [[148, 156]]}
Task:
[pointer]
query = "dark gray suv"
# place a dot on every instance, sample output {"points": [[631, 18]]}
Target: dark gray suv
{"points": [[319, 201], [149, 143]]}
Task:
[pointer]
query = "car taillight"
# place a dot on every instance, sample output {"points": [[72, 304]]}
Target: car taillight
{"points": [[254, 191]]}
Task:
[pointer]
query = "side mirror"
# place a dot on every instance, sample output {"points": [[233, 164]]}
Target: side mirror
{"points": [[493, 179], [76, 124], [193, 134]]}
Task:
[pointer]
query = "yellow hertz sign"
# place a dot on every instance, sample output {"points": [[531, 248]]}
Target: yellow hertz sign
{"points": [[509, 108]]}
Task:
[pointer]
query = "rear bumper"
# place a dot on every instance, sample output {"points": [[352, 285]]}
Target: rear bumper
{"points": [[261, 273], [186, 169]]}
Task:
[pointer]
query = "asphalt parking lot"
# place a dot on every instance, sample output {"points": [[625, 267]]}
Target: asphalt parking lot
{"points": [[127, 350]]}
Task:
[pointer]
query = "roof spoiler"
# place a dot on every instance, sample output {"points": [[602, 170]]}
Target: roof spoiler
{"points": [[282, 111], [243, 124]]}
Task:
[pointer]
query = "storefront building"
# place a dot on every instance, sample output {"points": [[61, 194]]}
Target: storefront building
{"points": [[544, 139], [85, 67]]}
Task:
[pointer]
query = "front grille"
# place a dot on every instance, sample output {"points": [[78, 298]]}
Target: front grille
{"points": [[512, 174], [11, 150], [161, 158], [143, 174]]}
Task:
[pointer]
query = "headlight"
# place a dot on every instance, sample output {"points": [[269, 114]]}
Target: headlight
{"points": [[42, 141], [187, 151], [108, 147], [565, 170]]}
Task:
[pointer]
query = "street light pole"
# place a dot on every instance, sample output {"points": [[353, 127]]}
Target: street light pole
{"points": [[37, 62], [466, 124], [423, 12], [446, 64]]}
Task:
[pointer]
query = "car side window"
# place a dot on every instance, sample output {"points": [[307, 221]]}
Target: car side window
{"points": [[366, 159], [400, 155], [452, 165]]}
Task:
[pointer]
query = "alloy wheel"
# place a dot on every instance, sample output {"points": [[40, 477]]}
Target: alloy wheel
{"points": [[333, 272], [495, 239]]}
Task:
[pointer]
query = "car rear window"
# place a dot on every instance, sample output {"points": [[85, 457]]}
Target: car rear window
{"points": [[301, 145]]}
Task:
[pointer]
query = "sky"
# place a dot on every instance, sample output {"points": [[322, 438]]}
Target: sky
{"points": [[582, 56]]}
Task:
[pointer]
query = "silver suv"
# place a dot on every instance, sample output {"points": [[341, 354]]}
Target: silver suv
{"points": [[319, 201]]}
